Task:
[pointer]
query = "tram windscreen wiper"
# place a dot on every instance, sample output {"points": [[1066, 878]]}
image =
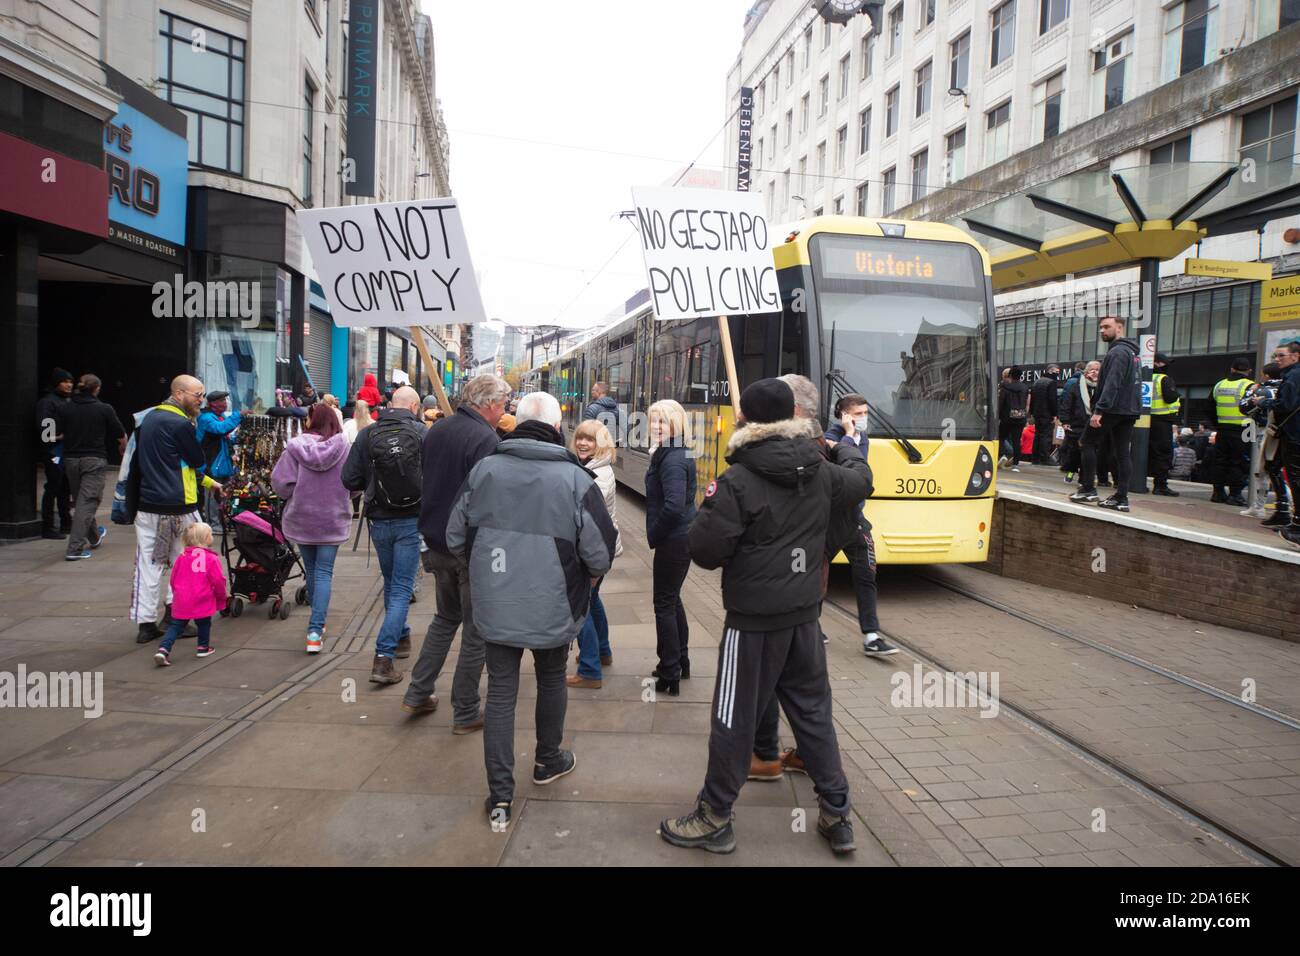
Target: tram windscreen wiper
{"points": [[837, 380]]}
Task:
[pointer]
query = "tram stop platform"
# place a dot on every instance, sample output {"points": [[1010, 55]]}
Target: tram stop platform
{"points": [[1185, 555]]}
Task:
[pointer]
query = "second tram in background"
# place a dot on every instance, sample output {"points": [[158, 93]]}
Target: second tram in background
{"points": [[900, 312]]}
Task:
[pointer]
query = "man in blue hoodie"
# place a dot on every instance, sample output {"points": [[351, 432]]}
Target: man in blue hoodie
{"points": [[1115, 411], [213, 432]]}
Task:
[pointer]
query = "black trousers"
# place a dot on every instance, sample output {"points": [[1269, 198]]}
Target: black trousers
{"points": [[1276, 477], [56, 492], [1119, 430], [1070, 455], [786, 666], [672, 561], [1010, 431], [1290, 453], [1043, 433], [1231, 460], [862, 567], [1160, 448]]}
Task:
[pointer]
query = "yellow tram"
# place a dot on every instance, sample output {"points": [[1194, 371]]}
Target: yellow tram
{"points": [[900, 312]]}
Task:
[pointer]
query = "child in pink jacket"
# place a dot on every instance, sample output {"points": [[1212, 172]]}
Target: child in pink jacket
{"points": [[199, 591]]}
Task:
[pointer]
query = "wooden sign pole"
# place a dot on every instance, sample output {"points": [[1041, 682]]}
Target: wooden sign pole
{"points": [[729, 359], [434, 369]]}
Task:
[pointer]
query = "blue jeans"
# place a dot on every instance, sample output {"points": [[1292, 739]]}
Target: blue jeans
{"points": [[318, 561], [204, 624], [397, 543], [593, 640]]}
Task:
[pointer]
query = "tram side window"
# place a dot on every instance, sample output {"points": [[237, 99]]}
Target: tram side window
{"points": [[753, 349], [792, 343]]}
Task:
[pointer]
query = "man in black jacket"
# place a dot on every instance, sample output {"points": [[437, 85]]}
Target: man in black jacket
{"points": [[1014, 402], [89, 426], [764, 522], [1116, 406], [603, 408], [1074, 412], [385, 463], [1044, 404], [56, 492], [452, 447]]}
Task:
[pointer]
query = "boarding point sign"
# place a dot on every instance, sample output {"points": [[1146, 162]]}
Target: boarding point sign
{"points": [[394, 264], [707, 252]]}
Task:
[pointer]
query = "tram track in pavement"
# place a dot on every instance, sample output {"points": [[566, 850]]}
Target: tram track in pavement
{"points": [[1187, 810]]}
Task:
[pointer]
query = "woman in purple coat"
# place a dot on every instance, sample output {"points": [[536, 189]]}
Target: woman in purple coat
{"points": [[318, 509]]}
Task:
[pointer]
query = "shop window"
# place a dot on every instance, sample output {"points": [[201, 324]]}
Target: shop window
{"points": [[202, 74]]}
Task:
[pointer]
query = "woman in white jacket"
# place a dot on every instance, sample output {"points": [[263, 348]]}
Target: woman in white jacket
{"points": [[594, 447]]}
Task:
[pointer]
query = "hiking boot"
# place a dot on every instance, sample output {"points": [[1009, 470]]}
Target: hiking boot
{"points": [[1164, 490], [498, 812], [837, 829], [1238, 500], [148, 632], [1114, 504], [791, 762], [427, 707], [767, 770], [403, 646], [542, 774], [577, 680], [1083, 496], [873, 645], [383, 671], [461, 729], [702, 828], [1279, 519]]}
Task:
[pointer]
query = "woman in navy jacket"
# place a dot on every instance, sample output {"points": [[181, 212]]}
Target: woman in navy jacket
{"points": [[669, 510]]}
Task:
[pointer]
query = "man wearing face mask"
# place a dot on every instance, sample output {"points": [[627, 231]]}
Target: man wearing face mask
{"points": [[213, 431]]}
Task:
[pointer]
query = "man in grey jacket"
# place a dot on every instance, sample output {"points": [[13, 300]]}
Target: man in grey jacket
{"points": [[533, 527]]}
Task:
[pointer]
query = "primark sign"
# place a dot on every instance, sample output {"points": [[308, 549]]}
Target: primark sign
{"points": [[363, 77]]}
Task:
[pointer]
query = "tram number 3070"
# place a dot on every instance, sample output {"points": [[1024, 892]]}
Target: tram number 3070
{"points": [[917, 486]]}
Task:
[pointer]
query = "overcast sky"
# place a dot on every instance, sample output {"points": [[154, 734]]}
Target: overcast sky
{"points": [[555, 111]]}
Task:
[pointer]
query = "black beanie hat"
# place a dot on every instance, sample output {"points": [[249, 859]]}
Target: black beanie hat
{"points": [[767, 400], [61, 375]]}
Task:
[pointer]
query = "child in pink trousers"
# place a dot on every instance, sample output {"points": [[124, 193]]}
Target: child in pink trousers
{"points": [[199, 591]]}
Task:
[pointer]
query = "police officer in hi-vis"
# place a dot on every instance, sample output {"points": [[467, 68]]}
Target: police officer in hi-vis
{"points": [[1231, 456], [1166, 407]]}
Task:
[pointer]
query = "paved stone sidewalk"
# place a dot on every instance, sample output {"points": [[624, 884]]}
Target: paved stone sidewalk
{"points": [[261, 739]]}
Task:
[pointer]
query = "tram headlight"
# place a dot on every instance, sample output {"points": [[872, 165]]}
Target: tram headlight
{"points": [[981, 473]]}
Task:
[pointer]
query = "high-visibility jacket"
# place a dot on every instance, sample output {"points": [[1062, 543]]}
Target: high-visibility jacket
{"points": [[1228, 393], [1158, 404]]}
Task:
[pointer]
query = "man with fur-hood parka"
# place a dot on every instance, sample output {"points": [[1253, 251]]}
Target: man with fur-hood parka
{"points": [[764, 522]]}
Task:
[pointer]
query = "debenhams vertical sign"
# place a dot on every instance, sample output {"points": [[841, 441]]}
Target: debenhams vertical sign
{"points": [[363, 76], [743, 157]]}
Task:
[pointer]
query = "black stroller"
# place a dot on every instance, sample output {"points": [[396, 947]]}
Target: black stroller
{"points": [[260, 562]]}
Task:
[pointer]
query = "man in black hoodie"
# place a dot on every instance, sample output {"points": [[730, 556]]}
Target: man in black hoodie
{"points": [[764, 522], [56, 491], [1115, 410], [1044, 403], [1013, 414]]}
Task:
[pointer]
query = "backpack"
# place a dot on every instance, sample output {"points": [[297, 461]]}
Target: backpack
{"points": [[396, 462]]}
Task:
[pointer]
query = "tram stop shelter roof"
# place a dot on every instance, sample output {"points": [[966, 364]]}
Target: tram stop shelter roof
{"points": [[1097, 221]]}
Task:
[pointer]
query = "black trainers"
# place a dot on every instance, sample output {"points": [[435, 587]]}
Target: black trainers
{"points": [[148, 632], [1291, 535], [498, 814], [542, 774], [873, 645], [1165, 490], [1114, 504], [1238, 500], [838, 830], [1218, 498], [702, 829], [1279, 519], [1082, 496]]}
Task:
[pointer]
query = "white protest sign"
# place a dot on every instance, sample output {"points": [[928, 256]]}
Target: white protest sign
{"points": [[707, 252], [394, 264]]}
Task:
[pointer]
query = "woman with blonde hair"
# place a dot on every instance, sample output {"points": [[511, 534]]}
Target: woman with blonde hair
{"points": [[669, 510], [359, 420], [594, 447]]}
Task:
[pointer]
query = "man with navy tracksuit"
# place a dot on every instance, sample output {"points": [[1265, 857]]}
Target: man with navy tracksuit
{"points": [[764, 522], [162, 496]]}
